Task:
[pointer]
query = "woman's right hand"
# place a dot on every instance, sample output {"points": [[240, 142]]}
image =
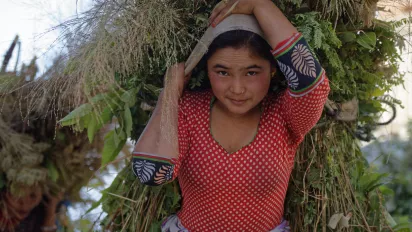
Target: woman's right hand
{"points": [[175, 79]]}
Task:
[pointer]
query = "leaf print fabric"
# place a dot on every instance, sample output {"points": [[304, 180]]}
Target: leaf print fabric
{"points": [[163, 174], [303, 60], [151, 169], [290, 75], [301, 69], [144, 170]]}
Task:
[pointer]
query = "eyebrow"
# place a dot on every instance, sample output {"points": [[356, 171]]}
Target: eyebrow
{"points": [[249, 67]]}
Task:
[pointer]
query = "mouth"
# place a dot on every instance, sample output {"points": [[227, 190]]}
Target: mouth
{"points": [[23, 214], [238, 102]]}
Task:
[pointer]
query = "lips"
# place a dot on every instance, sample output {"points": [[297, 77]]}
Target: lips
{"points": [[238, 101], [23, 214]]}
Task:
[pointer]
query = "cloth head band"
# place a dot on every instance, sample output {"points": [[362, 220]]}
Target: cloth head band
{"points": [[231, 23]]}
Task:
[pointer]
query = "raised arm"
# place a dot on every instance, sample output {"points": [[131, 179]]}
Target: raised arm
{"points": [[274, 24], [158, 152], [302, 104]]}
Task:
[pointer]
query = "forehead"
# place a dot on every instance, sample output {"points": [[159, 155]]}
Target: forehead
{"points": [[236, 56]]}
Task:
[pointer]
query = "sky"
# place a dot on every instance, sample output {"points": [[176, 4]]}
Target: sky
{"points": [[31, 19]]}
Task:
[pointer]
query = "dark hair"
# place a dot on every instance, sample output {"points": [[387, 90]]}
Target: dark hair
{"points": [[242, 39], [237, 39]]}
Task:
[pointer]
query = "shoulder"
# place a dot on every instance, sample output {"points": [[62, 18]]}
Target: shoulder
{"points": [[273, 101]]}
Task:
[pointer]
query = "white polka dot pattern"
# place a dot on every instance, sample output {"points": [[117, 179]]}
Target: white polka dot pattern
{"points": [[243, 191]]}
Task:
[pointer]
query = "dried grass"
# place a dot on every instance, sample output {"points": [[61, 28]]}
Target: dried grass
{"points": [[110, 43]]}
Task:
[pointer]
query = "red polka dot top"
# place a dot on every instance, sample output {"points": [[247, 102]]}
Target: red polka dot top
{"points": [[244, 190]]}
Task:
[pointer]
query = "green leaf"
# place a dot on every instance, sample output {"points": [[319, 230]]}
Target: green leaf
{"points": [[389, 218], [378, 92], [152, 88], [96, 204], [367, 40], [129, 97], [77, 113], [69, 122], [52, 171], [116, 139], [386, 191], [100, 97], [110, 149], [128, 120], [403, 227], [347, 37], [106, 115], [370, 181], [92, 128]]}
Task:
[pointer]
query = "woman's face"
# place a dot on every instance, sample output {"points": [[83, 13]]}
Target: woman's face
{"points": [[239, 79], [21, 207]]}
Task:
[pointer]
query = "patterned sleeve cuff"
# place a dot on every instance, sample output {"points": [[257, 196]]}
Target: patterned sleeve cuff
{"points": [[151, 169], [300, 67]]}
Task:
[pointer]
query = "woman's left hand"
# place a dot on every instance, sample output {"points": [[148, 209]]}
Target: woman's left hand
{"points": [[52, 202], [226, 7]]}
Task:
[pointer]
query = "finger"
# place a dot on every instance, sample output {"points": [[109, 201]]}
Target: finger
{"points": [[224, 13], [215, 12]]}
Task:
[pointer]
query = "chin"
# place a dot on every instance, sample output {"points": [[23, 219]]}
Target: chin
{"points": [[239, 109]]}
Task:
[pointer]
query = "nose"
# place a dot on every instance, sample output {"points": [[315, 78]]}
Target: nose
{"points": [[237, 87]]}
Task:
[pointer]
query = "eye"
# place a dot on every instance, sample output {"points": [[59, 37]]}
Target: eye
{"points": [[251, 73], [222, 73]]}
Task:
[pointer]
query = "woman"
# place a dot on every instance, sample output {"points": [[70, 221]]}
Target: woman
{"points": [[237, 141], [32, 212]]}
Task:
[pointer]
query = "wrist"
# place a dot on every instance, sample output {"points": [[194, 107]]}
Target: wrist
{"points": [[49, 219]]}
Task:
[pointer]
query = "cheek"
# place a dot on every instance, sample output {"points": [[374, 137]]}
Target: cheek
{"points": [[218, 83], [259, 84]]}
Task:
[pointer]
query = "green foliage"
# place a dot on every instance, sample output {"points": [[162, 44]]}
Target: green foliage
{"points": [[113, 104], [52, 171], [394, 156], [360, 62], [133, 205], [330, 174]]}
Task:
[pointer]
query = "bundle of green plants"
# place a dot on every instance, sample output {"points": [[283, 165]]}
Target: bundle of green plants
{"points": [[113, 74], [34, 150]]}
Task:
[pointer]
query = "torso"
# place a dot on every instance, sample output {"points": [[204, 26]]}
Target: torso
{"points": [[242, 189], [233, 133]]}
